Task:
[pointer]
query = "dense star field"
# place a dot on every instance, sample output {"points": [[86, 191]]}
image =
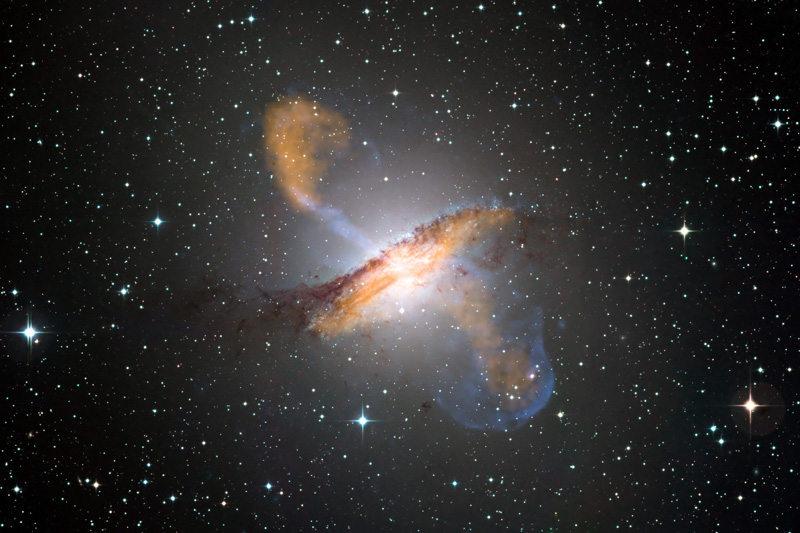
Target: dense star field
{"points": [[399, 266]]}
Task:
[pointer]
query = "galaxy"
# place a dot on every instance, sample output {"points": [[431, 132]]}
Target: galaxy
{"points": [[306, 266]]}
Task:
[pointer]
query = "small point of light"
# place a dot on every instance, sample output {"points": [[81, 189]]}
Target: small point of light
{"points": [[172, 498], [721, 441]]}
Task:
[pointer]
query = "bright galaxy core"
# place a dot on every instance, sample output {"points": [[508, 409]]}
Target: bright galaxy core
{"points": [[485, 338]]}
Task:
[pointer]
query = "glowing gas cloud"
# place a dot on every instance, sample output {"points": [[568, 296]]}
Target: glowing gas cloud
{"points": [[507, 377], [302, 138]]}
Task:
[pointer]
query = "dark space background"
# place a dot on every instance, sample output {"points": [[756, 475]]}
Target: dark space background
{"points": [[159, 392]]}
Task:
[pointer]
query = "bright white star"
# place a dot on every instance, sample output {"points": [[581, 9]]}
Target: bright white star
{"points": [[751, 405], [29, 332]]}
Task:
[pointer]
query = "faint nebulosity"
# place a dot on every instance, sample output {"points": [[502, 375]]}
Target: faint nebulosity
{"points": [[399, 267]]}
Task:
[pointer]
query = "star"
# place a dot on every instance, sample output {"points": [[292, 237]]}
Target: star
{"points": [[29, 332], [455, 483], [395, 93], [362, 421], [778, 124], [684, 231], [157, 221], [750, 405]]}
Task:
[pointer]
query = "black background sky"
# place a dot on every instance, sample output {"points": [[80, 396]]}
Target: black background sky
{"points": [[180, 405]]}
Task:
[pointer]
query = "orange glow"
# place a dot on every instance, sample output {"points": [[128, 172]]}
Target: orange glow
{"points": [[407, 265], [302, 137]]}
